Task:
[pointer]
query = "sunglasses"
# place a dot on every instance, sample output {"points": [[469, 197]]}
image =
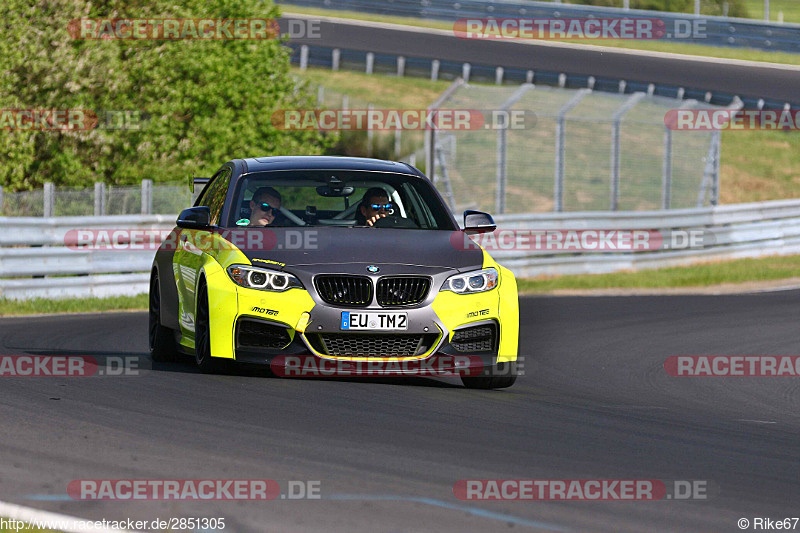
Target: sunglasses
{"points": [[265, 207], [384, 207]]}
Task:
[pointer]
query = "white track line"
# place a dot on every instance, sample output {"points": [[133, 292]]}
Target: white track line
{"points": [[18, 512], [554, 44]]}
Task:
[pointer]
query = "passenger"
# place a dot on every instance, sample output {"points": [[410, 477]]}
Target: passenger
{"points": [[374, 205]]}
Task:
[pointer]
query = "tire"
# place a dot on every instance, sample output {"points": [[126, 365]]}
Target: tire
{"points": [[202, 335], [162, 339], [509, 377]]}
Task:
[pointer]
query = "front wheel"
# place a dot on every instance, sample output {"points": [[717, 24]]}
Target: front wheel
{"points": [[506, 378], [162, 340], [202, 335]]}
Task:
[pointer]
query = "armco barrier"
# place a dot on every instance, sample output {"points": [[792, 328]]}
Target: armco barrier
{"points": [[736, 231], [35, 263], [718, 31]]}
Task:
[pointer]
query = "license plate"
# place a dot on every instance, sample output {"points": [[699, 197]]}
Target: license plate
{"points": [[373, 321]]}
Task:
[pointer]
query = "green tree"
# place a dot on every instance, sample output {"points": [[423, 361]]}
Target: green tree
{"points": [[201, 101]]}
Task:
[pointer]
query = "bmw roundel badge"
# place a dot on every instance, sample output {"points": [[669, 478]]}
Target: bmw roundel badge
{"points": [[373, 269]]}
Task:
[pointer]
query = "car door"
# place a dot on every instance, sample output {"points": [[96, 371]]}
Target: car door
{"points": [[193, 250]]}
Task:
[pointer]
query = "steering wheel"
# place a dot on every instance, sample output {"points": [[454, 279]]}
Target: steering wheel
{"points": [[392, 221]]}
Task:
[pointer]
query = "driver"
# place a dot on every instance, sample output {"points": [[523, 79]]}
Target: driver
{"points": [[374, 205], [264, 206]]}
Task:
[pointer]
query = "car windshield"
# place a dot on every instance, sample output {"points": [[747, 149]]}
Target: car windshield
{"points": [[338, 198]]}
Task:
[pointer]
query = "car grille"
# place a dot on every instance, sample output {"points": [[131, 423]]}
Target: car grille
{"points": [[393, 291], [475, 339], [256, 334], [376, 345], [353, 291]]}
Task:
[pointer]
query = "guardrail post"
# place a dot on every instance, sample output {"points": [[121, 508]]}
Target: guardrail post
{"points": [[370, 131], [558, 186], [465, 69], [401, 66], [345, 102], [435, 70], [1, 199], [766, 10], [431, 141], [666, 170], [717, 140], [304, 57], [615, 146], [370, 62], [498, 76], [320, 95], [502, 165], [696, 7], [147, 197], [99, 199], [397, 141], [49, 199], [335, 58], [502, 146]]}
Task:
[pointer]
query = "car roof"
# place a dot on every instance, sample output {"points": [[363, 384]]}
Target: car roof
{"points": [[319, 162]]}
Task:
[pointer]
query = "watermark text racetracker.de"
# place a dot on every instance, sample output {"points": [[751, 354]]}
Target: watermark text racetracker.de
{"points": [[41, 119], [256, 238], [580, 489], [582, 240], [578, 28], [68, 366], [377, 366], [192, 489], [732, 119], [402, 119], [173, 28], [733, 365]]}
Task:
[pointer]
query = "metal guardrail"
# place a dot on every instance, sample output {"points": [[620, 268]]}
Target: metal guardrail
{"points": [[39, 259], [732, 231], [718, 31], [34, 261]]}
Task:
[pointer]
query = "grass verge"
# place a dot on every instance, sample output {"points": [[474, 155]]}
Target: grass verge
{"points": [[72, 305], [700, 275], [748, 54]]}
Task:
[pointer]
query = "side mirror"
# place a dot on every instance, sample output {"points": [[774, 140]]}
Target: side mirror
{"points": [[478, 222], [195, 218]]}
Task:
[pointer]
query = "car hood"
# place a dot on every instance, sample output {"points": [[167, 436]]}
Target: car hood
{"points": [[353, 249]]}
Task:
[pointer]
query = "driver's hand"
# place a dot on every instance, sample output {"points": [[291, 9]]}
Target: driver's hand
{"points": [[374, 219]]}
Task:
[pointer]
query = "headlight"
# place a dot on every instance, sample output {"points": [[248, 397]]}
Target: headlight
{"points": [[262, 279], [471, 282]]}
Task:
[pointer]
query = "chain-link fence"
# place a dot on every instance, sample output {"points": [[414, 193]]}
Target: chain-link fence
{"points": [[146, 198], [554, 149]]}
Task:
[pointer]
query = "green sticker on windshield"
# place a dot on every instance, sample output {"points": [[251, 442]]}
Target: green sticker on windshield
{"points": [[243, 222]]}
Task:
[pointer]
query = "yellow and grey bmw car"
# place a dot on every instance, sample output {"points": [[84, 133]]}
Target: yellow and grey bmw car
{"points": [[335, 258]]}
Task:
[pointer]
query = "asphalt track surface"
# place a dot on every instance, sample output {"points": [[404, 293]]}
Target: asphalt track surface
{"points": [[768, 82], [595, 403]]}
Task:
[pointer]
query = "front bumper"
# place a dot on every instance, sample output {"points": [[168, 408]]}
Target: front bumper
{"points": [[473, 330]]}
